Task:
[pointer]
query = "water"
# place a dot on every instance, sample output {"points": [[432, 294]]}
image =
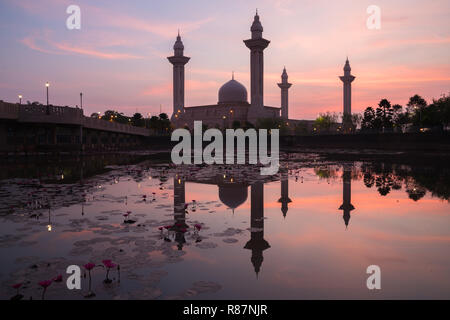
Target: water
{"points": [[311, 231]]}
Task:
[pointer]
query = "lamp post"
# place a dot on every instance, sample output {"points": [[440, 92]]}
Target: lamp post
{"points": [[20, 99], [81, 100], [46, 86]]}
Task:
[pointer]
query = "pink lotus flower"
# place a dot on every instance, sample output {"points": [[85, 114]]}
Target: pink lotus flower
{"points": [[168, 227], [45, 284], [89, 266], [109, 265], [17, 285], [160, 228], [58, 278], [198, 226]]}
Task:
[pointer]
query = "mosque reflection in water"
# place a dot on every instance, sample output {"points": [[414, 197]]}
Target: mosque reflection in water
{"points": [[234, 193]]}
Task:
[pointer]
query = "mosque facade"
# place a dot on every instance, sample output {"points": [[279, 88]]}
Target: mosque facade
{"points": [[233, 108]]}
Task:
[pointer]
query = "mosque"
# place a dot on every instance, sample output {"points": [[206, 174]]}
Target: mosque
{"points": [[233, 106]]}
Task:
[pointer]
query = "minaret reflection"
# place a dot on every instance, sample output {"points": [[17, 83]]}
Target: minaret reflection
{"points": [[284, 200], [179, 211], [257, 242], [347, 194]]}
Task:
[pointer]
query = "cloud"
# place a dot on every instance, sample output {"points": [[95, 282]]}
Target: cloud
{"points": [[42, 42]]}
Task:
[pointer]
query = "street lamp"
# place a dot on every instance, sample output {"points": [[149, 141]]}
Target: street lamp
{"points": [[20, 99], [46, 86], [81, 100]]}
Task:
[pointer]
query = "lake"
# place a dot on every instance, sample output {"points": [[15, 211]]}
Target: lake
{"points": [[225, 232]]}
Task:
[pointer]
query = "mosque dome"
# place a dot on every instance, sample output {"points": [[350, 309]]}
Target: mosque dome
{"points": [[233, 194], [232, 92]]}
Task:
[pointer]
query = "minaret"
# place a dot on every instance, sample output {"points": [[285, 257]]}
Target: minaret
{"points": [[284, 200], [178, 60], [347, 79], [179, 211], [284, 85], [257, 242], [256, 44], [347, 195]]}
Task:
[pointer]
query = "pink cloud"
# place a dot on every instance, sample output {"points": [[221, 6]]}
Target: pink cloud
{"points": [[43, 43]]}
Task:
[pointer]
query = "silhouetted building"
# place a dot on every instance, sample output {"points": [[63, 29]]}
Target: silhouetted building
{"points": [[179, 209], [347, 79], [233, 194], [232, 105], [257, 243], [178, 60], [347, 195], [284, 86], [284, 200]]}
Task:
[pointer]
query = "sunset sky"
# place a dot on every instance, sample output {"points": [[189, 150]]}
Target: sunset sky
{"points": [[118, 58]]}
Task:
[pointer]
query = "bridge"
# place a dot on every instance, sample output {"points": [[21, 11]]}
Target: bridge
{"points": [[28, 128]]}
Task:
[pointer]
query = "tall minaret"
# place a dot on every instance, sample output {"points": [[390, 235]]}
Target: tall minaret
{"points": [[256, 44], [284, 85], [179, 211], [347, 79], [178, 60], [257, 243], [347, 195], [284, 200]]}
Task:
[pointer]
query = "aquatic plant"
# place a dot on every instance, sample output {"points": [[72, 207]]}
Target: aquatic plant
{"points": [[89, 266], [45, 284], [108, 265]]}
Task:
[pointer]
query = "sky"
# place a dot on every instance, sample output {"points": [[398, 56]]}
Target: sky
{"points": [[118, 57]]}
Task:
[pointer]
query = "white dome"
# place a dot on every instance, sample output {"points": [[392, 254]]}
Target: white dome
{"points": [[232, 92]]}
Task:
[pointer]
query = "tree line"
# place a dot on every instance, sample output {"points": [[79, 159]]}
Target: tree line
{"points": [[417, 115], [158, 124]]}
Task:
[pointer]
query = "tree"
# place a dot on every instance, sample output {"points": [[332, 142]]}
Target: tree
{"points": [[399, 118], [368, 120], [108, 115], [384, 113], [443, 109], [415, 108], [326, 121], [137, 120], [351, 121], [271, 123], [415, 103]]}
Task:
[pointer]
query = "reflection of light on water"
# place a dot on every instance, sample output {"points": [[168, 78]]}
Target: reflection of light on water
{"points": [[307, 231]]}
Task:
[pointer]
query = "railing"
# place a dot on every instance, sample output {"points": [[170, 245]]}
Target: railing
{"points": [[98, 124], [63, 115], [50, 114]]}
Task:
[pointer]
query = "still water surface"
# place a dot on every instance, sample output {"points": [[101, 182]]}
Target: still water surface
{"points": [[308, 232]]}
